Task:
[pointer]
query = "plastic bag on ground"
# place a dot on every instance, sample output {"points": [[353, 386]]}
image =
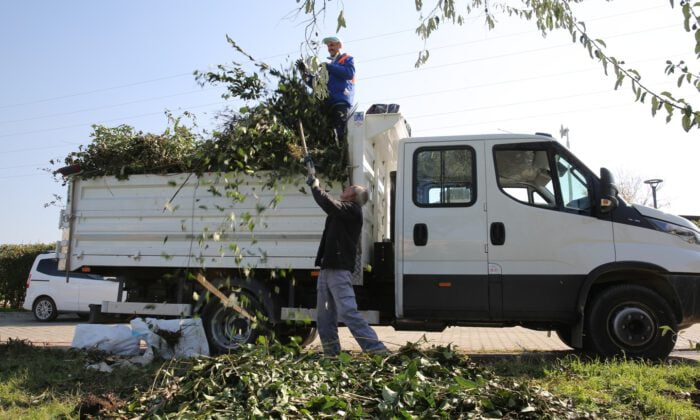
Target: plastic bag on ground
{"points": [[111, 339], [186, 336]]}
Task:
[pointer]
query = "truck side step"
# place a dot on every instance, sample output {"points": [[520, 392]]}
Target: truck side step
{"points": [[146, 308], [307, 314]]}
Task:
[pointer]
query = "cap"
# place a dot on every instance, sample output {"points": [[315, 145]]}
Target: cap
{"points": [[328, 39]]}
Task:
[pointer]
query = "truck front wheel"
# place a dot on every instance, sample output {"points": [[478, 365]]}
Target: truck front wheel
{"points": [[226, 329], [627, 320]]}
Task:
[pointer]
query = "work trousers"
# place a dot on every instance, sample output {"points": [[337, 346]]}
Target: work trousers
{"points": [[339, 120], [336, 302]]}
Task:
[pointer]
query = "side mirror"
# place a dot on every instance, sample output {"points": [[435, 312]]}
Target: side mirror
{"points": [[608, 191]]}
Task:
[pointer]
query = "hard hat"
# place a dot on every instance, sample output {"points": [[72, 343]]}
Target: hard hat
{"points": [[329, 39]]}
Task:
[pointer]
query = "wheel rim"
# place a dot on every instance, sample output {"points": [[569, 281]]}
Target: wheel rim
{"points": [[229, 329], [44, 309], [633, 326]]}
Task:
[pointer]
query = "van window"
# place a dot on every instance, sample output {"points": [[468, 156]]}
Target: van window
{"points": [[526, 176], [49, 267], [444, 177]]}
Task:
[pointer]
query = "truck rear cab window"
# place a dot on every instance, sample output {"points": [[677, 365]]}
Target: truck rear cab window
{"points": [[444, 177]]}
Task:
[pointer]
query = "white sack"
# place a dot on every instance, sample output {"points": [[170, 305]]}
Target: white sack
{"points": [[192, 342], [111, 339]]}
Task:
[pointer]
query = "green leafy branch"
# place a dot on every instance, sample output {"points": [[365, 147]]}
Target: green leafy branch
{"points": [[550, 15]]}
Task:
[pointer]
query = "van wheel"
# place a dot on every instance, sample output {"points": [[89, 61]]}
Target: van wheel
{"points": [[228, 330], [626, 321], [44, 309]]}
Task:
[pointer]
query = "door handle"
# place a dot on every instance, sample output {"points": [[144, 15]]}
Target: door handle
{"points": [[498, 233], [420, 234]]}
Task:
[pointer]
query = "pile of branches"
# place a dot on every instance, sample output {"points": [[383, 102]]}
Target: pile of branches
{"points": [[283, 381], [262, 135]]}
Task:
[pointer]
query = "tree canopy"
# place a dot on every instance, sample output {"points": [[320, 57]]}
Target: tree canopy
{"points": [[550, 16]]}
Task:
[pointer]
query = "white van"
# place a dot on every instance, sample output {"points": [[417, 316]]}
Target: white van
{"points": [[50, 292]]}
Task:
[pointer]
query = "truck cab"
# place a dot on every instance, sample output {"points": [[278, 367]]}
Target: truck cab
{"points": [[515, 230]]}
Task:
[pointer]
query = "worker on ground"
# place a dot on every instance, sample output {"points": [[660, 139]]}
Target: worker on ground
{"points": [[336, 256], [341, 83]]}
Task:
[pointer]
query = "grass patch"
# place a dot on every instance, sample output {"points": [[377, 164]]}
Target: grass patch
{"points": [[51, 383], [8, 309], [40, 382], [617, 388]]}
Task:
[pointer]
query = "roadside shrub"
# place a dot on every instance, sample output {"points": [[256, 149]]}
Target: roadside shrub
{"points": [[15, 263]]}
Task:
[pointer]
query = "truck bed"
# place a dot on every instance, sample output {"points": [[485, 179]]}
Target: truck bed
{"points": [[178, 221]]}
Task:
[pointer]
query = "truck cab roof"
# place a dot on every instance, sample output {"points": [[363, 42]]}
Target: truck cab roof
{"points": [[524, 138]]}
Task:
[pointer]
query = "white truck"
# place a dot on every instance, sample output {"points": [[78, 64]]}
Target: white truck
{"points": [[488, 230]]}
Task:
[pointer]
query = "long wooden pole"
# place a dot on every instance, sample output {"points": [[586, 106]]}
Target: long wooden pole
{"points": [[224, 299]]}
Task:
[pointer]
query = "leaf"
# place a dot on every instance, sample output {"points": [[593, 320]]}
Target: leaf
{"points": [[687, 122], [341, 21], [389, 395], [465, 383], [344, 358]]}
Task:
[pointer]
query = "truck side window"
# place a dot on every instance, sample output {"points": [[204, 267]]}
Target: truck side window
{"points": [[444, 177], [525, 175], [574, 187]]}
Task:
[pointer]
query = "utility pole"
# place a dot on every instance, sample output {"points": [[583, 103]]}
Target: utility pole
{"points": [[653, 183], [565, 132]]}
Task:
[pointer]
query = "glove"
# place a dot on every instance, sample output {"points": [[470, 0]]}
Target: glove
{"points": [[312, 181], [301, 65], [308, 159]]}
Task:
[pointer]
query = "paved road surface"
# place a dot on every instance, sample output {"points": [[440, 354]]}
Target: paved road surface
{"points": [[470, 340]]}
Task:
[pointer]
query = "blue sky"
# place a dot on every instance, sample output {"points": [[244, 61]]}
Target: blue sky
{"points": [[67, 65]]}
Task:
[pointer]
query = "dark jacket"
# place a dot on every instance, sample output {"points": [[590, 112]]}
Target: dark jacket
{"points": [[341, 80], [342, 232]]}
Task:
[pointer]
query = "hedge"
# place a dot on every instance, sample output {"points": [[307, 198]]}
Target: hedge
{"points": [[15, 263]]}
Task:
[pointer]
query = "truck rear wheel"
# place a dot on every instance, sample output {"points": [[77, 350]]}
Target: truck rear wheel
{"points": [[228, 330], [626, 321], [306, 333]]}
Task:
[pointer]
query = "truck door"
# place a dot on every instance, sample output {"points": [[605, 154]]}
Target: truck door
{"points": [[544, 237], [442, 264]]}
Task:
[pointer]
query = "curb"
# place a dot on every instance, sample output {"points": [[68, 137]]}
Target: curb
{"points": [[15, 315]]}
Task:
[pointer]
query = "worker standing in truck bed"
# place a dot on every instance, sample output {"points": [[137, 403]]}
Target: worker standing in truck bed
{"points": [[341, 84]]}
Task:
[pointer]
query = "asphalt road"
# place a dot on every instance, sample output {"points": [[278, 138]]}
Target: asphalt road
{"points": [[471, 340]]}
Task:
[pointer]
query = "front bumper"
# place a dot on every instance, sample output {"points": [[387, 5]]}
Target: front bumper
{"points": [[687, 288]]}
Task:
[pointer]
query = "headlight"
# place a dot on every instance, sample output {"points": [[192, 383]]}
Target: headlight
{"points": [[689, 235]]}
